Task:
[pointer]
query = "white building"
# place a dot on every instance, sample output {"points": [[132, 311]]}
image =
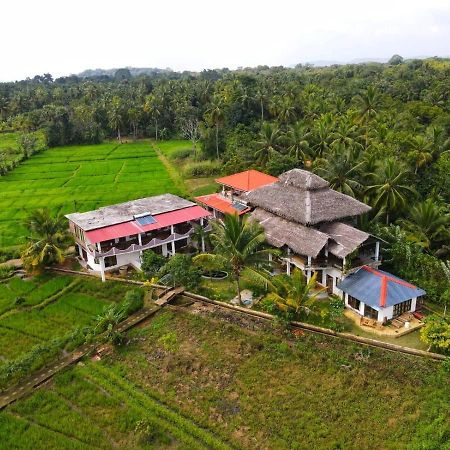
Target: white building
{"points": [[116, 236]]}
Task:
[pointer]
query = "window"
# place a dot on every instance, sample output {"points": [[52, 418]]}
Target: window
{"points": [[111, 261], [353, 302], [401, 308], [370, 312]]}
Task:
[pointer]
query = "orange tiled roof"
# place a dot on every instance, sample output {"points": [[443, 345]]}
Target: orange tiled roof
{"points": [[223, 205], [248, 180]]}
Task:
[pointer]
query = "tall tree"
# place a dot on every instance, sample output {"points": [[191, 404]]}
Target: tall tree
{"points": [[390, 188], [215, 113], [427, 225], [342, 170], [115, 115], [298, 141], [269, 141], [239, 244], [49, 237]]}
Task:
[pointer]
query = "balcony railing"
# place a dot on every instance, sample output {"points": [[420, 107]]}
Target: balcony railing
{"points": [[132, 246]]}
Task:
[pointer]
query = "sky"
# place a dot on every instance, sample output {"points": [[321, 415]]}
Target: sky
{"points": [[62, 37]]}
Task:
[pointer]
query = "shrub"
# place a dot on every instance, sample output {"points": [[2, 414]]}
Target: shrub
{"points": [[182, 153], [135, 300], [182, 271], [19, 300], [6, 271], [202, 169], [436, 333], [151, 263]]}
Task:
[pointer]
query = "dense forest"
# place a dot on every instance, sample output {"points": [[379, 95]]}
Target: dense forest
{"points": [[378, 132]]}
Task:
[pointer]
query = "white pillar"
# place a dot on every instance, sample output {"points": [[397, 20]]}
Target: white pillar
{"points": [[102, 268], [324, 277], [413, 304], [308, 275], [288, 267], [80, 251], [361, 308], [99, 247], [140, 239], [380, 317], [377, 250], [173, 247], [346, 299]]}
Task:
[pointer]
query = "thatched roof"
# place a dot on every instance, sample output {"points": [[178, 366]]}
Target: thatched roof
{"points": [[344, 238], [303, 179], [305, 198], [280, 232]]}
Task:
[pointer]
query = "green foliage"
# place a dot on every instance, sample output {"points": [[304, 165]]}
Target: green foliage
{"points": [[293, 294], [436, 333], [181, 271], [135, 300], [48, 237], [202, 169], [239, 245], [151, 263], [6, 271]]}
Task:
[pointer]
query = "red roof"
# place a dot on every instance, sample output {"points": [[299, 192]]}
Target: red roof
{"points": [[113, 232], [216, 201], [161, 221], [248, 180], [174, 217]]}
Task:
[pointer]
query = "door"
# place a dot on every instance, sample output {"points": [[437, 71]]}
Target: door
{"points": [[329, 284]]}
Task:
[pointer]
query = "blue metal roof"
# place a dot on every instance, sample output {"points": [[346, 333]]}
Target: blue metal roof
{"points": [[365, 285]]}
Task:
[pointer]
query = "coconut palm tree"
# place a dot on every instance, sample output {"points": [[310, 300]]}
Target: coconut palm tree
{"points": [[286, 110], [215, 113], [421, 151], [390, 188], [49, 237], [269, 142], [115, 115], [153, 106], [239, 245], [293, 293], [427, 225], [297, 140], [341, 169], [323, 134], [368, 102]]}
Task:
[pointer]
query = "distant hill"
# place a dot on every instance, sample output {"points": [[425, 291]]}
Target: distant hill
{"points": [[134, 71], [325, 63]]}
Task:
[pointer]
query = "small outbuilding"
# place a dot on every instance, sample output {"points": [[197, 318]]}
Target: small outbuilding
{"points": [[379, 295]]}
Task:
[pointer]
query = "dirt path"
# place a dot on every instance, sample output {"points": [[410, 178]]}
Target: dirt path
{"points": [[172, 171]]}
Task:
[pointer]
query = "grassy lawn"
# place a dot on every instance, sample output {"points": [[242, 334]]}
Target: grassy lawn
{"points": [[79, 178], [190, 381]]}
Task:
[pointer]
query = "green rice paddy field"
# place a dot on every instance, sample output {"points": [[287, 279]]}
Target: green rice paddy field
{"points": [[79, 178], [188, 381], [46, 307]]}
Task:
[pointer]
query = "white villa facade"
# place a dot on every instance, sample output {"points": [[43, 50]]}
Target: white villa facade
{"points": [[115, 236]]}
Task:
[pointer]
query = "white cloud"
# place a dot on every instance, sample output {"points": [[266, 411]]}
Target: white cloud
{"points": [[68, 37]]}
